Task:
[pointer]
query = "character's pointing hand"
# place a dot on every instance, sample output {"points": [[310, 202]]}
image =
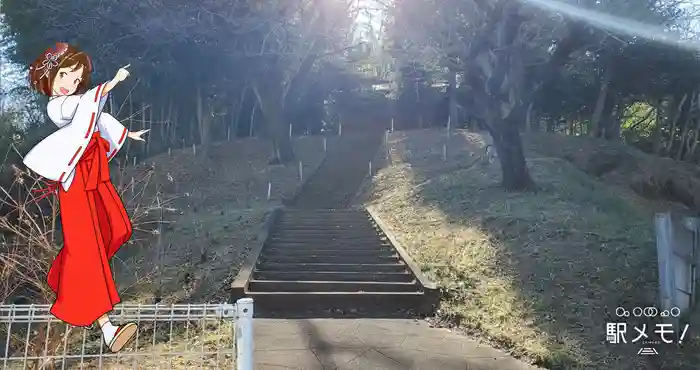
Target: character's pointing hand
{"points": [[122, 73], [137, 135]]}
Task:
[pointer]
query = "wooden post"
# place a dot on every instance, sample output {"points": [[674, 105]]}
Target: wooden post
{"points": [[325, 145], [269, 190]]}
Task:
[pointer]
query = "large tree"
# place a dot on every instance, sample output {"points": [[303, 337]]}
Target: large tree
{"points": [[194, 63], [513, 55]]}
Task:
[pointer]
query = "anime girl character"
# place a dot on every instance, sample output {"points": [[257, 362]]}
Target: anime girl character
{"points": [[74, 161]]}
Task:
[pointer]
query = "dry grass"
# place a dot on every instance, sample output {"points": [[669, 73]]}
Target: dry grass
{"points": [[219, 201], [195, 217], [537, 273]]}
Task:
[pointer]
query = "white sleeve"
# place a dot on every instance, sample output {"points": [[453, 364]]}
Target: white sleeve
{"points": [[62, 109]]}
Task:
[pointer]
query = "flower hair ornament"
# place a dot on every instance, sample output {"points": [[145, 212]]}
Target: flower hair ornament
{"points": [[50, 61]]}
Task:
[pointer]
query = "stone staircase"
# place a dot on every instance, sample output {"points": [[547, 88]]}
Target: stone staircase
{"points": [[321, 255], [337, 180]]}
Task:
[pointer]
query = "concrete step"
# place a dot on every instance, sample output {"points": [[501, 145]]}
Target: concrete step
{"points": [[328, 259], [323, 224], [330, 286], [324, 218], [394, 266], [329, 304], [324, 245], [320, 233], [320, 211], [322, 253], [321, 239], [352, 239], [403, 277], [327, 228], [275, 249]]}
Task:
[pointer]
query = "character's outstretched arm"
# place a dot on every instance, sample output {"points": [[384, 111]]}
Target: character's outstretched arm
{"points": [[121, 75]]}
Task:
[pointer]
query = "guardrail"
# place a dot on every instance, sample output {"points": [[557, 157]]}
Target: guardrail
{"points": [[178, 336]]}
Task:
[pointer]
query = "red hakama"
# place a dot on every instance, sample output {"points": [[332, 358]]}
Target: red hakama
{"points": [[95, 225]]}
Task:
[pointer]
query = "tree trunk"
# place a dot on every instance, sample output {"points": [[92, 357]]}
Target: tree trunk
{"points": [[150, 128], [613, 127], [508, 144], [173, 126], [131, 126], [203, 121], [143, 127], [674, 124], [685, 131], [283, 152], [529, 123], [418, 106], [251, 126], [657, 137], [453, 99], [596, 129], [694, 141], [162, 128]]}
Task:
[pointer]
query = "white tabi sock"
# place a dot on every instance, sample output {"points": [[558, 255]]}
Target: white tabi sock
{"points": [[108, 332]]}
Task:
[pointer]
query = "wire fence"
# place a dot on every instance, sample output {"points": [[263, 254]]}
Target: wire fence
{"points": [[180, 336]]}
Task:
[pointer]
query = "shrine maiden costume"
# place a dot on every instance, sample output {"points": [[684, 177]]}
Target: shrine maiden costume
{"points": [[94, 221]]}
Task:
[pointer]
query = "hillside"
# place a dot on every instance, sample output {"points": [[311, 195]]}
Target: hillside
{"points": [[212, 206], [538, 273]]}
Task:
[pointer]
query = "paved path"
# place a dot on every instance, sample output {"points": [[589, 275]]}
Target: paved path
{"points": [[370, 344]]}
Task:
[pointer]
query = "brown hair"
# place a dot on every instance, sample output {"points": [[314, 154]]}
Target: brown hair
{"points": [[54, 58]]}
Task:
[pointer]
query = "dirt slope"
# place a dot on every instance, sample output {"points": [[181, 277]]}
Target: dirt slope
{"points": [[538, 273]]}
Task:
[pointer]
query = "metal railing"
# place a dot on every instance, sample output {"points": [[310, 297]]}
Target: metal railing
{"points": [[678, 249], [179, 336]]}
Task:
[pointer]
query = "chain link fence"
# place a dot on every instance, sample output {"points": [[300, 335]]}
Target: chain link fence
{"points": [[179, 336]]}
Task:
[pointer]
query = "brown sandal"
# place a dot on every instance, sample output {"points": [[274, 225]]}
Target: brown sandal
{"points": [[122, 336]]}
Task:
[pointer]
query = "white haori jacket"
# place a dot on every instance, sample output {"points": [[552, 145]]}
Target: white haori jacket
{"points": [[77, 117]]}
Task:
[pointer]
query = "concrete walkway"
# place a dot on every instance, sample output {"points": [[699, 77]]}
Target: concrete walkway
{"points": [[370, 344]]}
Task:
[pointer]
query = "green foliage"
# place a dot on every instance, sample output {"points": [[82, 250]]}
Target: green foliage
{"points": [[640, 121]]}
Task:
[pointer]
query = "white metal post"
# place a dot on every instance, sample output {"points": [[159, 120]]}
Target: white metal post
{"points": [[370, 168], [325, 145], [444, 152], [244, 334], [301, 172], [392, 124], [269, 190], [340, 129], [290, 130]]}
